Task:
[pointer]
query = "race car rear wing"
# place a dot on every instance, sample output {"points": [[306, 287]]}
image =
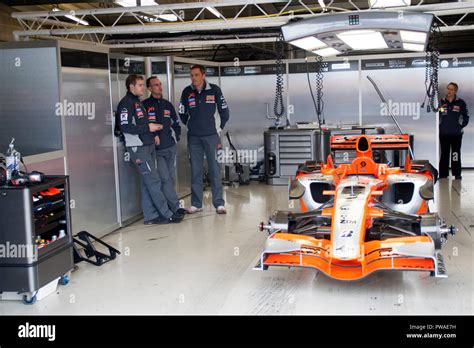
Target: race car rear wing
{"points": [[377, 141]]}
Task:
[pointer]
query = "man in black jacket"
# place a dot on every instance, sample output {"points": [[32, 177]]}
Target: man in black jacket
{"points": [[140, 143], [161, 111], [197, 109], [453, 117]]}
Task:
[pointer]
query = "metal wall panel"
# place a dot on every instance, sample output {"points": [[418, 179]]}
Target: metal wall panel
{"points": [[340, 96], [463, 75], [401, 86], [28, 95], [248, 98], [90, 151], [49, 167]]}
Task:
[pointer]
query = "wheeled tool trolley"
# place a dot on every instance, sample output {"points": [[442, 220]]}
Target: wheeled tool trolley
{"points": [[36, 245]]}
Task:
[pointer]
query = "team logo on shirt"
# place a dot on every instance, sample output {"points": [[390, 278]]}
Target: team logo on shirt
{"points": [[210, 99], [192, 102], [166, 113], [456, 108], [181, 108], [151, 113], [138, 110], [223, 102], [124, 116]]}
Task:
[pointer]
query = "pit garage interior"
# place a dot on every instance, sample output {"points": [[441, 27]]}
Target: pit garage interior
{"points": [[82, 52]]}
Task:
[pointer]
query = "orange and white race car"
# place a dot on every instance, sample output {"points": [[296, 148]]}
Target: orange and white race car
{"points": [[360, 217]]}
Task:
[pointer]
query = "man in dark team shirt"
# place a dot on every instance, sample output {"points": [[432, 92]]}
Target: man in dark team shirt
{"points": [[140, 143], [161, 111], [197, 109], [453, 116]]}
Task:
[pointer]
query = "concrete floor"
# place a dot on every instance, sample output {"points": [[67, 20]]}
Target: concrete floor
{"points": [[204, 266]]}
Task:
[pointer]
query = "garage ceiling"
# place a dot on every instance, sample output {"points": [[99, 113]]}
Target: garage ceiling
{"points": [[201, 34]]}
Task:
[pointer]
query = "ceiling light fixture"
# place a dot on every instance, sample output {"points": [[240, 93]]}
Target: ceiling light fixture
{"points": [[373, 31], [214, 11], [149, 18], [363, 39], [388, 3], [327, 52], [133, 3], [309, 43], [413, 47], [413, 36]]}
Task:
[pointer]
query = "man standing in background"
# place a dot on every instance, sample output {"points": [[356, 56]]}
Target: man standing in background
{"points": [[197, 109], [162, 112], [453, 117]]}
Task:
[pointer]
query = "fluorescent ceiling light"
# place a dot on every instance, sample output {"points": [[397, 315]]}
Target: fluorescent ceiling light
{"points": [[326, 52], [214, 11], [363, 39], [309, 43], [154, 18], [413, 47], [133, 3], [413, 36], [159, 19], [168, 17], [388, 3], [71, 17]]}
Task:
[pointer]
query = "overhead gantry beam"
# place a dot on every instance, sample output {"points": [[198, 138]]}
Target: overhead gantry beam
{"points": [[48, 24]]}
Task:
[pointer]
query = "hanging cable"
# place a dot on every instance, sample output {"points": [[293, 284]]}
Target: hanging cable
{"points": [[320, 67], [279, 106], [311, 91], [431, 70], [318, 101]]}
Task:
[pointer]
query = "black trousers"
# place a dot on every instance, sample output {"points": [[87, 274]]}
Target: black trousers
{"points": [[450, 149]]}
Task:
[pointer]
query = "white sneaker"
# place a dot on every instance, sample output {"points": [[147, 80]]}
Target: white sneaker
{"points": [[192, 210], [221, 210]]}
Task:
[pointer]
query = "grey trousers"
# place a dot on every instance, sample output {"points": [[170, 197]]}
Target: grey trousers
{"points": [[166, 161], [197, 147], [154, 203]]}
